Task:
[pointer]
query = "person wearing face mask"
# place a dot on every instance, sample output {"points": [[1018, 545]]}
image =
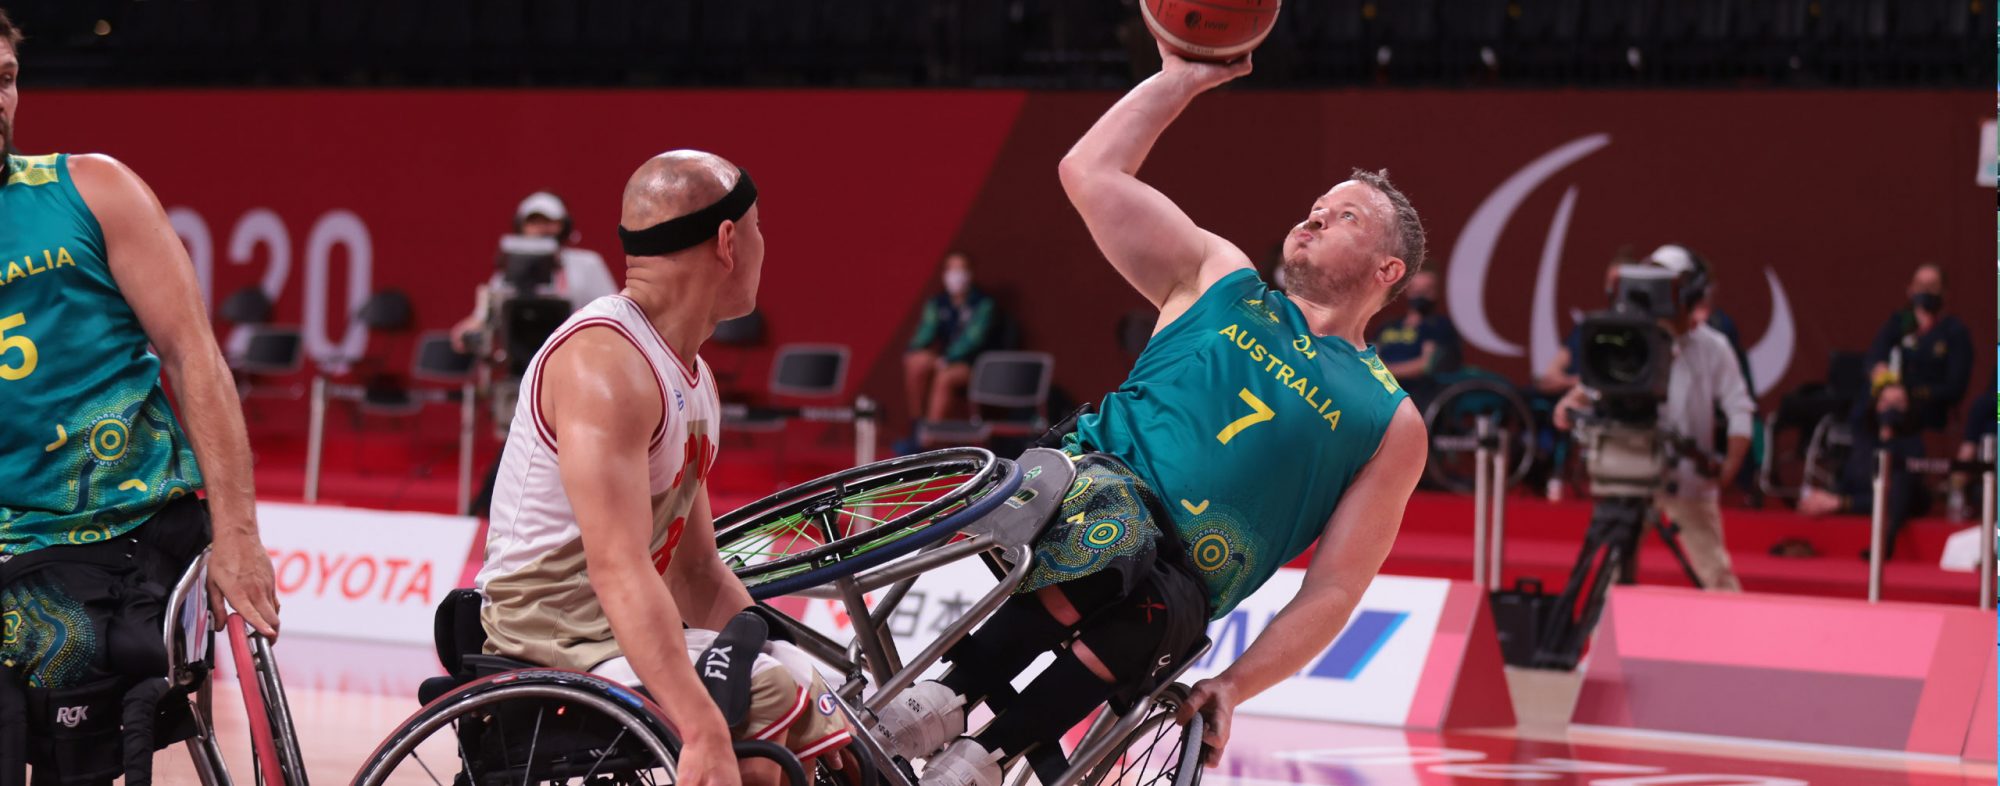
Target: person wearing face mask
{"points": [[1926, 351], [1885, 423], [955, 327], [1421, 345]]}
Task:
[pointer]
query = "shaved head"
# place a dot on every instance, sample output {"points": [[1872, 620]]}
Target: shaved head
{"points": [[674, 184], [721, 272]]}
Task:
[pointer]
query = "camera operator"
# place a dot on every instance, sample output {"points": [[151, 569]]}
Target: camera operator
{"points": [[1704, 378], [525, 271], [583, 276]]}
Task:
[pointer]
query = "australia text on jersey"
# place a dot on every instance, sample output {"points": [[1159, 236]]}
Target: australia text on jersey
{"points": [[1283, 372], [51, 259]]}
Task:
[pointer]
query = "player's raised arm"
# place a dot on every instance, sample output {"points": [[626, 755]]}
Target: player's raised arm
{"points": [[1145, 236]]}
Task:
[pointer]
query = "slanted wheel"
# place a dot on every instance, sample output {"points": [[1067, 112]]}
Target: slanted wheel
{"points": [[860, 518]]}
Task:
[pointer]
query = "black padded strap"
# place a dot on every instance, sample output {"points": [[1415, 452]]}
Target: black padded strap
{"points": [[725, 667]]}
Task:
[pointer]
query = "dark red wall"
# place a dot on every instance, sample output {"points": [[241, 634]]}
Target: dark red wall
{"points": [[1838, 194]]}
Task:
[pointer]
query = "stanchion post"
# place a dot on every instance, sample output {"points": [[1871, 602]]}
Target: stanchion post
{"points": [[1986, 545], [1497, 510], [315, 434], [864, 431], [1877, 517], [467, 417], [1482, 467]]}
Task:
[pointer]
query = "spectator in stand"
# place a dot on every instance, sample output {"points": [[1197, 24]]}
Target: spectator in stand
{"points": [[1422, 344], [957, 324], [1925, 351]]}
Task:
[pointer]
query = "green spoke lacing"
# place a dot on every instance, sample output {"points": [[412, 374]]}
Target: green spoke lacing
{"points": [[795, 533]]}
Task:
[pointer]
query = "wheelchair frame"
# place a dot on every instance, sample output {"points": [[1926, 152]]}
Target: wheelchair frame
{"points": [[1008, 532]]}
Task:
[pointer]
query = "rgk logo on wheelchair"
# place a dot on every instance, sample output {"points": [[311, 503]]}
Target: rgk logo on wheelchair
{"points": [[69, 717]]}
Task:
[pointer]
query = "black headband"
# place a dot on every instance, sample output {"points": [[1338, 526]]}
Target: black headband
{"points": [[693, 229]]}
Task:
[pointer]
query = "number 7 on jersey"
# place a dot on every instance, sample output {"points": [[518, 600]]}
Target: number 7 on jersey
{"points": [[1259, 412]]}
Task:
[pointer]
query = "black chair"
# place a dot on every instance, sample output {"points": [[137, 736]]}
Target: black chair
{"points": [[801, 373], [436, 360], [734, 338], [1015, 382], [268, 350]]}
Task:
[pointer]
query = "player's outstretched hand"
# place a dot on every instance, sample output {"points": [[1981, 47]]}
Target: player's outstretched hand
{"points": [[1216, 701], [1204, 76]]}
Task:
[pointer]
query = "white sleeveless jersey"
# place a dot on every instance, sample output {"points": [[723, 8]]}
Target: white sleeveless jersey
{"points": [[539, 603]]}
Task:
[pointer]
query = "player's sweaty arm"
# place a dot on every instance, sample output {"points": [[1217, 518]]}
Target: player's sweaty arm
{"points": [[1357, 539], [1154, 245], [602, 401], [704, 587], [153, 273]]}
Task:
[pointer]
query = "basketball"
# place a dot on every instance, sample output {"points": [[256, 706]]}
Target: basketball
{"points": [[1212, 30]]}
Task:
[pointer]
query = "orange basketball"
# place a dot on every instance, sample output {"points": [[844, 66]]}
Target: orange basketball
{"points": [[1212, 30]]}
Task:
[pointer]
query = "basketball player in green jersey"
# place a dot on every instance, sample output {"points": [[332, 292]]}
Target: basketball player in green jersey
{"points": [[1254, 423], [98, 512]]}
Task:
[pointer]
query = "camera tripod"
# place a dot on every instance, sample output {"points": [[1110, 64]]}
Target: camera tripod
{"points": [[1610, 552]]}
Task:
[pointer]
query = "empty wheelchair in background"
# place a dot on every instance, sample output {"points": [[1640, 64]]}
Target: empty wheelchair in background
{"points": [[159, 711], [1453, 420]]}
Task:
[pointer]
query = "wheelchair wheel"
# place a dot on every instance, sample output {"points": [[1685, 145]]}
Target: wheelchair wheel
{"points": [[1827, 450], [1160, 752], [536, 726], [849, 521], [274, 748], [1453, 421]]}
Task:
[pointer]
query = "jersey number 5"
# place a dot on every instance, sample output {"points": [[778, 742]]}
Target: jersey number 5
{"points": [[13, 343], [1259, 412]]}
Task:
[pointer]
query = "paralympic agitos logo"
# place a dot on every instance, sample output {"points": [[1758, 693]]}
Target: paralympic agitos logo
{"points": [[1472, 257]]}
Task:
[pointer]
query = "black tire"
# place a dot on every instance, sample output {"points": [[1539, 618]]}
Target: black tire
{"points": [[578, 727], [1159, 752], [1452, 422], [813, 533]]}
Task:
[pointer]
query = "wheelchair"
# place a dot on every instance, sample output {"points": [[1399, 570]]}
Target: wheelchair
{"points": [[881, 525], [183, 699], [1452, 418]]}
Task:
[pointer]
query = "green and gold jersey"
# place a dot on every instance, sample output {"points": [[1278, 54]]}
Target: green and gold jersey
{"points": [[88, 446], [1248, 427]]}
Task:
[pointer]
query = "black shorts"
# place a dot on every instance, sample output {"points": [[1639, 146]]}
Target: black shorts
{"points": [[82, 625], [1113, 550]]}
